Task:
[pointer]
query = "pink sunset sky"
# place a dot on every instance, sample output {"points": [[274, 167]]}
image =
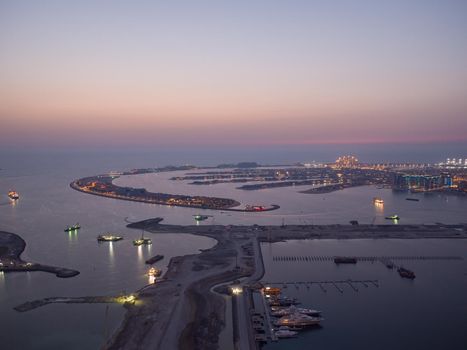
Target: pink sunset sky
{"points": [[227, 73]]}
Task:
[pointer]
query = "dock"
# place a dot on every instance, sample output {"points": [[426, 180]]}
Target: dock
{"points": [[339, 285], [325, 258]]}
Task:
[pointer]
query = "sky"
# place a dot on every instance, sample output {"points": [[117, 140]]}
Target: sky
{"points": [[232, 73]]}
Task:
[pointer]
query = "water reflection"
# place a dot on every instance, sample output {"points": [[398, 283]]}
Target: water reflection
{"points": [[72, 236], [111, 253], [140, 253]]}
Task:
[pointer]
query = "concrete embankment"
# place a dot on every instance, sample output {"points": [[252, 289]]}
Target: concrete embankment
{"points": [[11, 248]]}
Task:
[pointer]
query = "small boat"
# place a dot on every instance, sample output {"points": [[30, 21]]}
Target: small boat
{"points": [[392, 217], [153, 272], [344, 260], [73, 228], [279, 312], [285, 333], [271, 291], [298, 320], [200, 217], [405, 273], [412, 199], [13, 195], [378, 200], [282, 301], [108, 238]]}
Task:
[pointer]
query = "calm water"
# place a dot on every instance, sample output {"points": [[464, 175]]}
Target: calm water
{"points": [[47, 205], [429, 312]]}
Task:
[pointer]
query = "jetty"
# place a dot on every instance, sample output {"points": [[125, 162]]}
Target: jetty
{"points": [[31, 305], [11, 248]]}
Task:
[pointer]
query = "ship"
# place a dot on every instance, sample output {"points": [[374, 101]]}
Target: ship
{"points": [[108, 238], [298, 319], [345, 260], [73, 228], [154, 259], [285, 332], [282, 301], [392, 217], [268, 291], [279, 312], [13, 195], [200, 217], [378, 200], [412, 199], [153, 272], [405, 273], [141, 241]]}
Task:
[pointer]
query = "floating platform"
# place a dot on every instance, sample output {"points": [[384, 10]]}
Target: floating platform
{"points": [[154, 259]]}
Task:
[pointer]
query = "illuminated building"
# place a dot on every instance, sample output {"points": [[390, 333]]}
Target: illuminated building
{"points": [[346, 162]]}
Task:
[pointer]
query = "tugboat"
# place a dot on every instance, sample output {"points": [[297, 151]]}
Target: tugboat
{"points": [[200, 217], [406, 273], [392, 217], [13, 195], [108, 238], [73, 228]]}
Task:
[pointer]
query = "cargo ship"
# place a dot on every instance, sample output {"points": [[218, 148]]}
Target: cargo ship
{"points": [[154, 259], [412, 199], [13, 195], [72, 228], [108, 238]]}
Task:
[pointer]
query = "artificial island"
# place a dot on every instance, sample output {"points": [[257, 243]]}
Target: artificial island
{"points": [[193, 312]]}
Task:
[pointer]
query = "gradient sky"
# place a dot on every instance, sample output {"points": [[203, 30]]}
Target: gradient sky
{"points": [[232, 72]]}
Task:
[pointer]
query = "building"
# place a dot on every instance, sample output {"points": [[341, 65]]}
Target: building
{"points": [[346, 162], [422, 182]]}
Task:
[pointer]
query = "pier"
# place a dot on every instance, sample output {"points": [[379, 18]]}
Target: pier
{"points": [[31, 305], [314, 258], [337, 284]]}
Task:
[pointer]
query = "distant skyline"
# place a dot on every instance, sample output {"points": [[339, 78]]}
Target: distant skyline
{"points": [[217, 73]]}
